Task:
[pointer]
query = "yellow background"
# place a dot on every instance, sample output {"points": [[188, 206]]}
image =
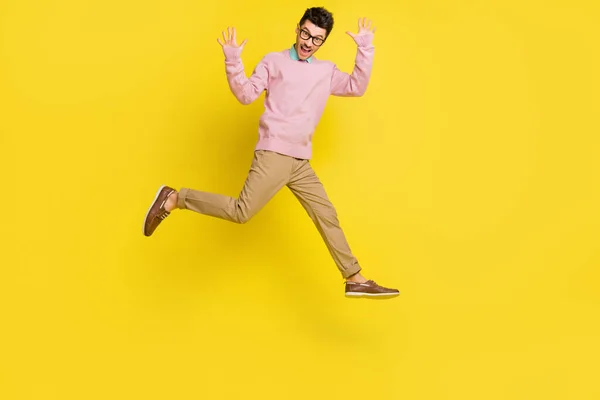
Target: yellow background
{"points": [[467, 176]]}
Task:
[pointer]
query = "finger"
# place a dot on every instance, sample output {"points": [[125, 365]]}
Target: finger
{"points": [[224, 38], [244, 43], [234, 35], [369, 25], [364, 22]]}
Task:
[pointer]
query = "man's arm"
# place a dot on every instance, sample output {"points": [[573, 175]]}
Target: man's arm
{"points": [[355, 84], [245, 89]]}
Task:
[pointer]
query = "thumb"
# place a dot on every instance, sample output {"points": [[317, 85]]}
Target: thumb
{"points": [[243, 43], [352, 35]]}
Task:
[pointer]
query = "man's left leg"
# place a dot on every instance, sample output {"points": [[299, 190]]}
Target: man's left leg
{"points": [[309, 190]]}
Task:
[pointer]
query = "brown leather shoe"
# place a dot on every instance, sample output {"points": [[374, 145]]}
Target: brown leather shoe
{"points": [[369, 289], [157, 213]]}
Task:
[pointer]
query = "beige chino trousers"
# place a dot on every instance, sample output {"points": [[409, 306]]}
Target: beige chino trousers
{"points": [[268, 174]]}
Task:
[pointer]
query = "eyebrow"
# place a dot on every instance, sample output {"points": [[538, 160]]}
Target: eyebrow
{"points": [[317, 36]]}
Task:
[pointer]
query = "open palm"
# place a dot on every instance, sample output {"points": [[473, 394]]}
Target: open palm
{"points": [[364, 28], [230, 40]]}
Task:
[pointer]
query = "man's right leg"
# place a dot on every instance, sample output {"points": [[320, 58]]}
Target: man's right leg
{"points": [[268, 173]]}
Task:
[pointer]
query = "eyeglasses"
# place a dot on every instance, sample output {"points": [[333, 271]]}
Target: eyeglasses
{"points": [[317, 41]]}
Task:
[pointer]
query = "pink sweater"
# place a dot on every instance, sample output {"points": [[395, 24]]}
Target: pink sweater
{"points": [[296, 93]]}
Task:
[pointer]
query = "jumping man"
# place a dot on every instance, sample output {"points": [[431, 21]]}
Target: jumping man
{"points": [[297, 86]]}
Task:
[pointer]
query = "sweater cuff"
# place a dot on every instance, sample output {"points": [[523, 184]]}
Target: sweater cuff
{"points": [[232, 53], [364, 40]]}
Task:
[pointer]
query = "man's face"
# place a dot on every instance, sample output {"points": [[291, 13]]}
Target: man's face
{"points": [[306, 36]]}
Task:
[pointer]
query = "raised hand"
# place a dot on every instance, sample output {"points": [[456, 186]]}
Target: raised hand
{"points": [[229, 40], [364, 28]]}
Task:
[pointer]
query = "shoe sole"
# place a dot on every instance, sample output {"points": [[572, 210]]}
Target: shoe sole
{"points": [[378, 295], [150, 208]]}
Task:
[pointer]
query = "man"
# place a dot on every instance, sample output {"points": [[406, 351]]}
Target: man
{"points": [[297, 87]]}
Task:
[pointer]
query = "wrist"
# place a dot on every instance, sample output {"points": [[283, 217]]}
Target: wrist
{"points": [[232, 53], [364, 40]]}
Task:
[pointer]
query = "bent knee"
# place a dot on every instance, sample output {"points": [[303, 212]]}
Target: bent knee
{"points": [[242, 219], [242, 216]]}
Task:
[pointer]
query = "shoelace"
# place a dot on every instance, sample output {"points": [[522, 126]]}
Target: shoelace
{"points": [[362, 284]]}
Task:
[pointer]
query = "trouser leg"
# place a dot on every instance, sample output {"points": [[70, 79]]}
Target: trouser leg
{"points": [[268, 173], [309, 190]]}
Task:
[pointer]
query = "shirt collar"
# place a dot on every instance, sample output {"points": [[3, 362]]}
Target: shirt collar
{"points": [[294, 55]]}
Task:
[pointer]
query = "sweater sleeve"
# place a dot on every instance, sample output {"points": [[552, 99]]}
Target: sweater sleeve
{"points": [[245, 89], [343, 84]]}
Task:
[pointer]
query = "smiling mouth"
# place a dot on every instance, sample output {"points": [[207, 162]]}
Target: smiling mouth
{"points": [[305, 49]]}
